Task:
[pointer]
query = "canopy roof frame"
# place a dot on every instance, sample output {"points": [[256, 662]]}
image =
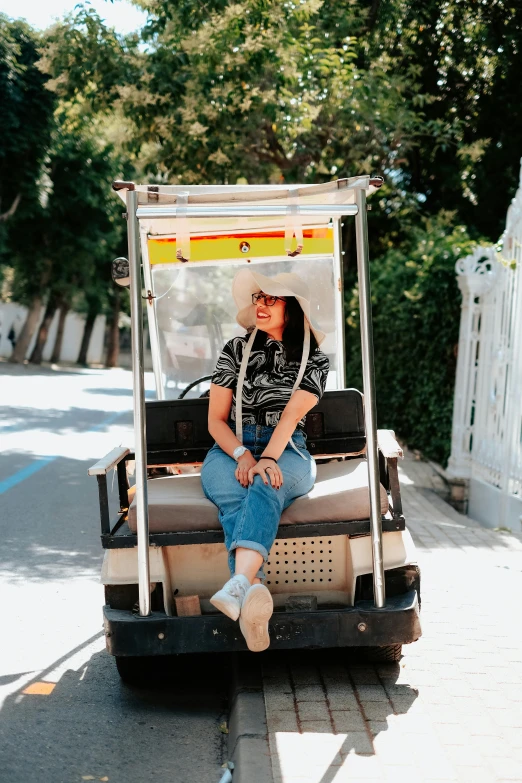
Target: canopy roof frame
{"points": [[210, 201]]}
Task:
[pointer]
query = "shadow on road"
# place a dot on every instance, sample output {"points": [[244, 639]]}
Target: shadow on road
{"points": [[92, 724], [81, 420], [53, 531]]}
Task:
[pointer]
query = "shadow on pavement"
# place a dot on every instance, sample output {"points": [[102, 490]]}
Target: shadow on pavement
{"points": [[356, 700], [92, 724], [53, 531], [81, 420]]}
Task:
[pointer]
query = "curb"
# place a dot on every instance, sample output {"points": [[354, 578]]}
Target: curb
{"points": [[247, 735]]}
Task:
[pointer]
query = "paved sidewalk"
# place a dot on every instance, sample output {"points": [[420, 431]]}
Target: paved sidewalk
{"points": [[452, 709]]}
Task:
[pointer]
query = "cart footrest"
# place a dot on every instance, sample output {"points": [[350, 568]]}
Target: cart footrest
{"points": [[362, 625]]}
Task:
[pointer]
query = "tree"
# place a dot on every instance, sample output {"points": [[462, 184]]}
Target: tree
{"points": [[464, 60], [63, 247], [27, 109], [249, 90], [416, 315]]}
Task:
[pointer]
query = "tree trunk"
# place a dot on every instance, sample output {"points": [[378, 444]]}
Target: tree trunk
{"points": [[113, 347], [43, 332], [24, 338], [57, 350], [86, 339]]}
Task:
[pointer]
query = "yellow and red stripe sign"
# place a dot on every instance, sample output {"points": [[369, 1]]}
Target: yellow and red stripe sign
{"points": [[317, 241]]}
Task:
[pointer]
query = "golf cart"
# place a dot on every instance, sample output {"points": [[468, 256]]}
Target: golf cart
{"points": [[342, 571]]}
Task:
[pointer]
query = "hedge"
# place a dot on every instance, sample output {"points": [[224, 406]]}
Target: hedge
{"points": [[416, 314]]}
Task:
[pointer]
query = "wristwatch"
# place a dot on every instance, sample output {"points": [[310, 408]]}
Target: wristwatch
{"points": [[238, 452]]}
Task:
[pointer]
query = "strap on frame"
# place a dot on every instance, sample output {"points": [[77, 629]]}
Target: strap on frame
{"points": [[242, 374], [182, 228], [294, 225]]}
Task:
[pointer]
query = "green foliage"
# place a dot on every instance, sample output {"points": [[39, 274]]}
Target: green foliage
{"points": [[416, 316], [64, 243], [248, 90], [27, 109], [464, 60], [230, 91]]}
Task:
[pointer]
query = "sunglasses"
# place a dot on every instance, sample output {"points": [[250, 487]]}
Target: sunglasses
{"points": [[268, 301]]}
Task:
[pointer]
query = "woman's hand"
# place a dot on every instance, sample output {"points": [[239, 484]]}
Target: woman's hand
{"points": [[244, 464], [269, 472]]}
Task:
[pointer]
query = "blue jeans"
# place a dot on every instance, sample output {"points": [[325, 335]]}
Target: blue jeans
{"points": [[250, 516]]}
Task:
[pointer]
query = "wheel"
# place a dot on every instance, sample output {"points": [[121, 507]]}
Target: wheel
{"points": [[135, 670], [390, 653]]}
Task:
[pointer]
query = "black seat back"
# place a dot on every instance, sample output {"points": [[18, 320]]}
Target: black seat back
{"points": [[177, 430]]}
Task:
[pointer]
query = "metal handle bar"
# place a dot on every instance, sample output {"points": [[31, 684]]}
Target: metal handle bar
{"points": [[275, 210]]}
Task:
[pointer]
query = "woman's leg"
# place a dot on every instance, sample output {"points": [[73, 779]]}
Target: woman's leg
{"points": [[248, 563], [224, 490], [257, 522]]}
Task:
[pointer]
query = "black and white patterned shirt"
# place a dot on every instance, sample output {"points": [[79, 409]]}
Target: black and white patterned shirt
{"points": [[269, 379]]}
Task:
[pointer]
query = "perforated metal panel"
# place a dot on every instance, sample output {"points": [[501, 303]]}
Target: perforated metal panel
{"points": [[306, 565]]}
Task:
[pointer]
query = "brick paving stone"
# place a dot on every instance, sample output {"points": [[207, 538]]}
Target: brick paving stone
{"points": [[415, 724], [313, 710], [284, 720], [364, 676], [347, 720], [309, 693], [511, 718], [371, 692], [356, 742], [358, 767], [305, 675], [400, 774], [475, 775], [392, 748], [507, 768], [321, 726], [342, 700], [279, 701], [377, 710], [452, 709], [491, 747], [463, 755]]}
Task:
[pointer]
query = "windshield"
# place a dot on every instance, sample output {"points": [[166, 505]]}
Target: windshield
{"points": [[196, 313]]}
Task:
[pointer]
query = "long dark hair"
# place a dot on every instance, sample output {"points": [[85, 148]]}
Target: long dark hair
{"points": [[293, 335]]}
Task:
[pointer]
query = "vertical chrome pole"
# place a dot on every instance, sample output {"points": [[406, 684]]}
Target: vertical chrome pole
{"points": [[138, 385], [339, 283], [152, 317], [370, 408]]}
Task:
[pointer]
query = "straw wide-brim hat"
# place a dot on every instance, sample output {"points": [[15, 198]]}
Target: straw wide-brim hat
{"points": [[248, 282]]}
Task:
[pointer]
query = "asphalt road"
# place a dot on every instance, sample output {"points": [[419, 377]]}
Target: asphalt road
{"points": [[65, 716]]}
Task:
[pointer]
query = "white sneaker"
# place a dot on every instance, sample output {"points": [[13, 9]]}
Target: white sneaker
{"points": [[256, 611], [229, 599]]}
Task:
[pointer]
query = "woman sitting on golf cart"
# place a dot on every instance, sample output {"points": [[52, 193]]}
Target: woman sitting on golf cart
{"points": [[263, 386]]}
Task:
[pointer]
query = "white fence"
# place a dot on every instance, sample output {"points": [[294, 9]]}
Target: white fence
{"points": [[13, 315], [487, 416]]}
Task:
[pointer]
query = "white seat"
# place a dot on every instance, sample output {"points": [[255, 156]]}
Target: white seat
{"points": [[340, 494]]}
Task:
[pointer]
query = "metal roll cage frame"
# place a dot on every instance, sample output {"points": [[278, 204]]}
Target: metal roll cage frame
{"points": [[336, 212]]}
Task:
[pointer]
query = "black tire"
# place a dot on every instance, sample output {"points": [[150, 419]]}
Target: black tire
{"points": [[135, 670], [391, 653]]}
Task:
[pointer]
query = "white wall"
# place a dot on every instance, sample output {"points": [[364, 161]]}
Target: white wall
{"points": [[14, 314]]}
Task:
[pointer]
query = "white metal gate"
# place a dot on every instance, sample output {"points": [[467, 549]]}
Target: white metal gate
{"points": [[487, 416]]}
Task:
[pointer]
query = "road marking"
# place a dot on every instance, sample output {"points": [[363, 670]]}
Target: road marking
{"points": [[42, 462]]}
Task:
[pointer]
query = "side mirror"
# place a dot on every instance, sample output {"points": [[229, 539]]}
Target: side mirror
{"points": [[120, 272]]}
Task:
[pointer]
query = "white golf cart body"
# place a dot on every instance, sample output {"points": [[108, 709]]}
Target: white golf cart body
{"points": [[343, 568]]}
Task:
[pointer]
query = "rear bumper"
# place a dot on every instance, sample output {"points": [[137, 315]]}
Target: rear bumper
{"points": [[359, 626]]}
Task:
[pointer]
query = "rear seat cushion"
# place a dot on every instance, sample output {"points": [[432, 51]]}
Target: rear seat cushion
{"points": [[340, 493]]}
